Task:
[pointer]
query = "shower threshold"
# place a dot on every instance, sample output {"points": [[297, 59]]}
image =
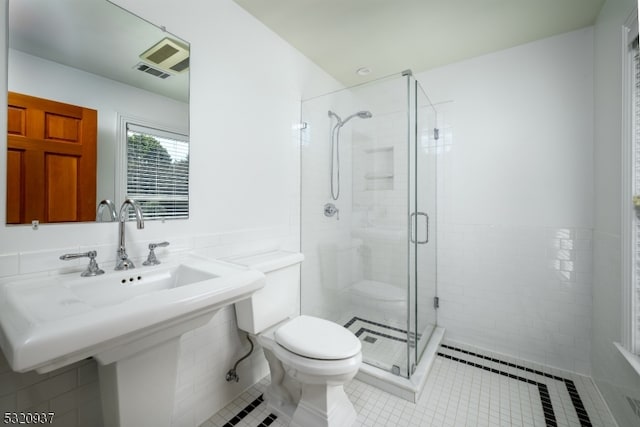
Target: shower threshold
{"points": [[406, 388]]}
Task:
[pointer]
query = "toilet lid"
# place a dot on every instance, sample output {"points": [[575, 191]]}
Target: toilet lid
{"points": [[317, 339]]}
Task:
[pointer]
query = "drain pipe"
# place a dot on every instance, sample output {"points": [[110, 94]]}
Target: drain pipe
{"points": [[232, 374]]}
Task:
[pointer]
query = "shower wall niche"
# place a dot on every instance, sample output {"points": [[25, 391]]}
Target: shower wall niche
{"points": [[379, 168]]}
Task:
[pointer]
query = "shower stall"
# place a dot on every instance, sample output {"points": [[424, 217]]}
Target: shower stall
{"points": [[368, 224]]}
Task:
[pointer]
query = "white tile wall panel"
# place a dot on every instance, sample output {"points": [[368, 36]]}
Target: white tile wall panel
{"points": [[530, 303]]}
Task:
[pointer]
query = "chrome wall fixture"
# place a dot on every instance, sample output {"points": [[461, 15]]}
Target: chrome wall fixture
{"points": [[331, 210]]}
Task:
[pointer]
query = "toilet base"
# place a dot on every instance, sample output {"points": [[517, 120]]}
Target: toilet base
{"points": [[323, 406], [282, 394], [307, 400], [319, 406]]}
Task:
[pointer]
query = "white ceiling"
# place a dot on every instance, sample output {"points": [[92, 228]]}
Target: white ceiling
{"points": [[94, 36], [389, 36]]}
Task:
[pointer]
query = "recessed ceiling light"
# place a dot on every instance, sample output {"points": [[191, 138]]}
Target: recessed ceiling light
{"points": [[363, 71]]}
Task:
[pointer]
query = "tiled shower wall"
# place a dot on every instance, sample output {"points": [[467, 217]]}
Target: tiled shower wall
{"points": [[380, 198], [523, 291], [515, 199]]}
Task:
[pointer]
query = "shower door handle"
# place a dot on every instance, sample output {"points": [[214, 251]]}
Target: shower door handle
{"points": [[426, 221]]}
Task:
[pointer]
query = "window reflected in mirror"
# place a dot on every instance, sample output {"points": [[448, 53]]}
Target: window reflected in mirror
{"points": [[158, 171]]}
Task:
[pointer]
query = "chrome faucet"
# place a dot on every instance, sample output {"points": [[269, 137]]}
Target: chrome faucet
{"points": [[122, 259], [106, 203]]}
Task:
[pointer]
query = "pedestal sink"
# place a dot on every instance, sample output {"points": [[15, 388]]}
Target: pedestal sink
{"points": [[130, 321]]}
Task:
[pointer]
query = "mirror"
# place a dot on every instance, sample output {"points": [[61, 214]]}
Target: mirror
{"points": [[94, 55]]}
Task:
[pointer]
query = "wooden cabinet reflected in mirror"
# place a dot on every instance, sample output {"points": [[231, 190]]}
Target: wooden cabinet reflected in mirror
{"points": [[51, 161]]}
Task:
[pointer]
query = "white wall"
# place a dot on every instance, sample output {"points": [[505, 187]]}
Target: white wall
{"points": [[515, 199], [611, 372], [246, 86]]}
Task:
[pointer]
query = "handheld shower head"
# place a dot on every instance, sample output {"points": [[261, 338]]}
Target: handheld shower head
{"points": [[335, 152], [359, 114]]}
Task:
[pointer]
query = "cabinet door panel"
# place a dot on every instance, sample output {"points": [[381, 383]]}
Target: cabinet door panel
{"points": [[53, 179]]}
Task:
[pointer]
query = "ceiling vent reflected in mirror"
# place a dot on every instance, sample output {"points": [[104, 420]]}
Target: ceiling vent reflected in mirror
{"points": [[141, 66], [167, 55]]}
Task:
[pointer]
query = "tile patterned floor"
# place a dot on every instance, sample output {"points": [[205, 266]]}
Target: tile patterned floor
{"points": [[466, 387], [384, 345]]}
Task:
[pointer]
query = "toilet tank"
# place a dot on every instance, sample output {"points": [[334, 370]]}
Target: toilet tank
{"points": [[341, 264], [279, 298]]}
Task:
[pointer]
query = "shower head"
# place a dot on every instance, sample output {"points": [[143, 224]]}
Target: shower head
{"points": [[360, 114]]}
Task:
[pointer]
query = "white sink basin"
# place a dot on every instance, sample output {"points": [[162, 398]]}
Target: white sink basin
{"points": [[52, 321], [130, 321], [117, 288]]}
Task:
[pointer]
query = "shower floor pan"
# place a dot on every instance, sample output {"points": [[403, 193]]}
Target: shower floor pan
{"points": [[384, 350]]}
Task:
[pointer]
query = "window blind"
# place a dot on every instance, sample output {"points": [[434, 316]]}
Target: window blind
{"points": [[158, 172]]}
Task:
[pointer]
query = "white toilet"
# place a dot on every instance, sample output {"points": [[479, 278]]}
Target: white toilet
{"points": [[310, 359]]}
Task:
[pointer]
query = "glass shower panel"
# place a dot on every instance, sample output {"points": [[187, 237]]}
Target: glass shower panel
{"points": [[356, 259], [416, 233], [424, 195]]}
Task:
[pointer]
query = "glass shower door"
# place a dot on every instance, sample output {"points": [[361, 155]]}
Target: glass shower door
{"points": [[355, 242], [367, 194], [423, 137]]}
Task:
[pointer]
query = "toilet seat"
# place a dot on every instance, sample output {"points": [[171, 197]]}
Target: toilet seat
{"points": [[302, 329], [316, 338], [316, 371]]}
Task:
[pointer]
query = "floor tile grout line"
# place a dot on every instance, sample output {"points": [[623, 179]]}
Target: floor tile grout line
{"points": [[576, 400], [547, 406]]}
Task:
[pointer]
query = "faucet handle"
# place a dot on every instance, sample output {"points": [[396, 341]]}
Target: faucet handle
{"points": [[92, 269], [152, 259], [330, 210], [152, 246]]}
